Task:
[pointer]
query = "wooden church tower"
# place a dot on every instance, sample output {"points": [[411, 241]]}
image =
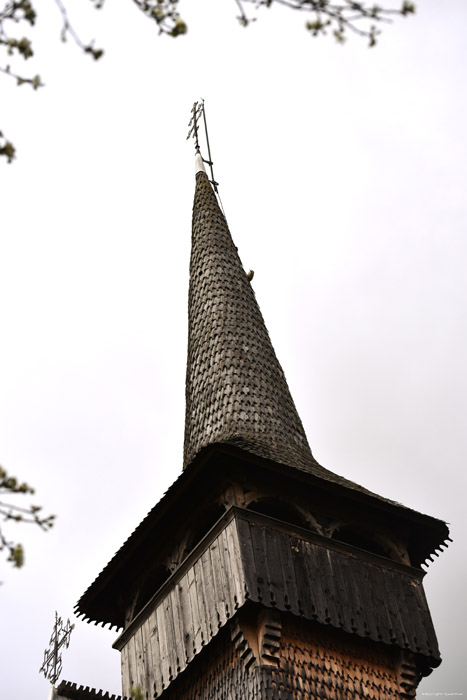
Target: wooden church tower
{"points": [[261, 575]]}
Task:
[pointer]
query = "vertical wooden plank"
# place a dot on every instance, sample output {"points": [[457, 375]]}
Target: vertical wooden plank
{"points": [[201, 595], [260, 564], [425, 622], [126, 686], [358, 601], [155, 653], [163, 665], [329, 584], [345, 602], [361, 584], [379, 600], [138, 637], [132, 665], [233, 544], [423, 627], [171, 638], [229, 580], [395, 615], [192, 594], [376, 605], [303, 603], [135, 660], [396, 600], [354, 595], [146, 672], [186, 617], [276, 578], [315, 604], [416, 629], [224, 568], [218, 583], [291, 596], [223, 578], [178, 631], [248, 561], [209, 593]]}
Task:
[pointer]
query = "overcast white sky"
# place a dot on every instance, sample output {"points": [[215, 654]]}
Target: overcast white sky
{"points": [[342, 171]]}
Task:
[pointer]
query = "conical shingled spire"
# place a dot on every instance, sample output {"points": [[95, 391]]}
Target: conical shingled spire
{"points": [[236, 392]]}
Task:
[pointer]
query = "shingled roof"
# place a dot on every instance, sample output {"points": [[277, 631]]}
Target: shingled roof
{"points": [[236, 391]]}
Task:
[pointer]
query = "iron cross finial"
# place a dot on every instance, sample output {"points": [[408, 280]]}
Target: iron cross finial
{"points": [[52, 664], [198, 110]]}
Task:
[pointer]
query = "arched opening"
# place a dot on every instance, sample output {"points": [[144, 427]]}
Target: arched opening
{"points": [[281, 510], [358, 539]]}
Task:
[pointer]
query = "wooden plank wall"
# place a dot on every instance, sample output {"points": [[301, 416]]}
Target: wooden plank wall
{"points": [[336, 588], [252, 557], [198, 604]]}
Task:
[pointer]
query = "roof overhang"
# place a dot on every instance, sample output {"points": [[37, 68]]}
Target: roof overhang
{"points": [[214, 467]]}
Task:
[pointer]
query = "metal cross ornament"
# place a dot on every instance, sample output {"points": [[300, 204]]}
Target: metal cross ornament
{"points": [[198, 110], [52, 664]]}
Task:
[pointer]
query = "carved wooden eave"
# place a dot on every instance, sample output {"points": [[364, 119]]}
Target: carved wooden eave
{"points": [[197, 487], [73, 691]]}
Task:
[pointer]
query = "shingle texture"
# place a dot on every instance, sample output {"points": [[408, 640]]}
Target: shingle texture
{"points": [[236, 391], [312, 664]]}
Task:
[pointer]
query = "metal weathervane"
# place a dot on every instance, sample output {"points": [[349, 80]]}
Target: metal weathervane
{"points": [[198, 111], [52, 665]]}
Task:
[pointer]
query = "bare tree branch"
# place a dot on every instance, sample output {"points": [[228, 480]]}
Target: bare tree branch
{"points": [[358, 17], [341, 17], [18, 514], [67, 28]]}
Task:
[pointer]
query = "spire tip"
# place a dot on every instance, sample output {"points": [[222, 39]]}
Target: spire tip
{"points": [[199, 164]]}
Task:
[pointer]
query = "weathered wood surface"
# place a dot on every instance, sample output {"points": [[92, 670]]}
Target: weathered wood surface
{"points": [[186, 616], [236, 391], [370, 598], [252, 557], [312, 661]]}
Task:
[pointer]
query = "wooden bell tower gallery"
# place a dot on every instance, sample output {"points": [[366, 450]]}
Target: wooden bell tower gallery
{"points": [[261, 575]]}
